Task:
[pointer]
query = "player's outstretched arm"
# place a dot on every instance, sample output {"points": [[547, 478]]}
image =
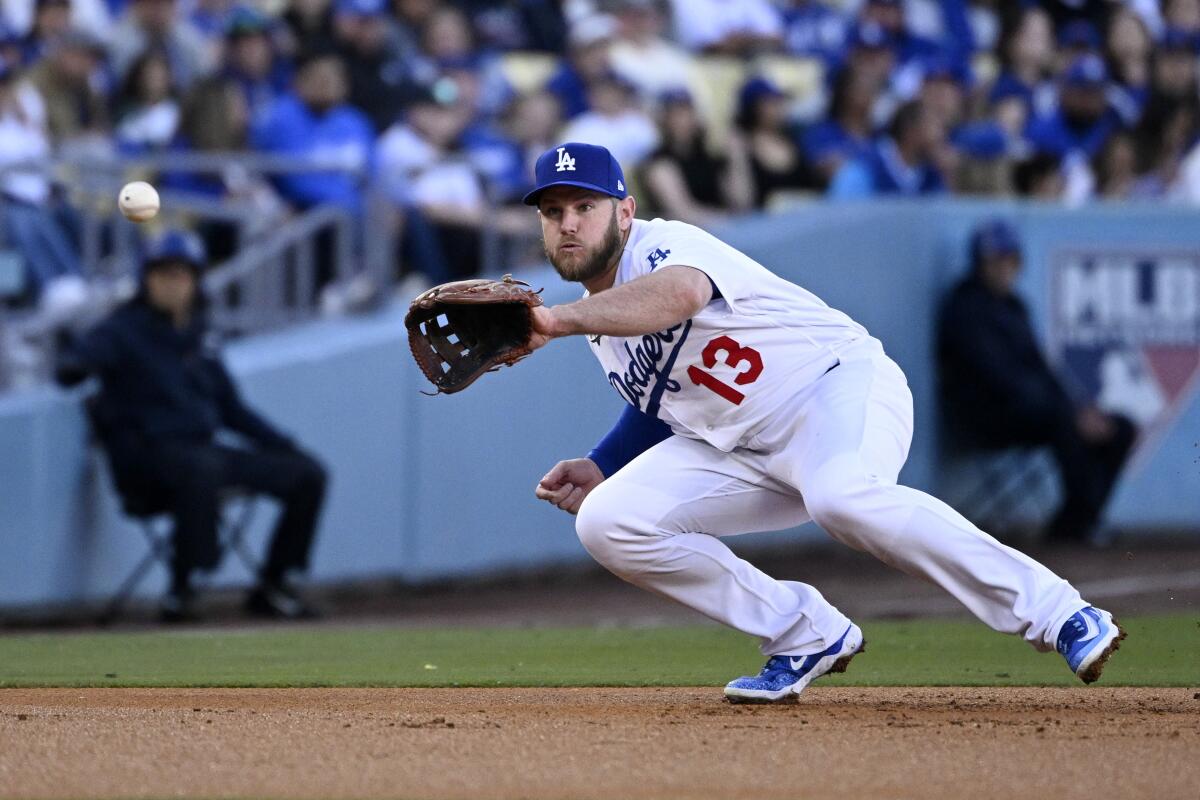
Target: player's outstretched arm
{"points": [[648, 304], [568, 483]]}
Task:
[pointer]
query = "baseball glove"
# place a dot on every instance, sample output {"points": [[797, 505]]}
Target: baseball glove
{"points": [[458, 331]]}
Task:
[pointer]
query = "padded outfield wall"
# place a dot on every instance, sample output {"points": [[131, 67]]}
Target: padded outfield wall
{"points": [[425, 488]]}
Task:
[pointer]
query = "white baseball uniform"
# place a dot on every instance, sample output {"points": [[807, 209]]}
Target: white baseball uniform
{"points": [[785, 410]]}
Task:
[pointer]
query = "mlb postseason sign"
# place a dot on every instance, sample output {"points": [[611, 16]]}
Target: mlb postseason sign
{"points": [[1125, 328]]}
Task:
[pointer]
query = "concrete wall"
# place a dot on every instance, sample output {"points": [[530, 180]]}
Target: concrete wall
{"points": [[433, 487]]}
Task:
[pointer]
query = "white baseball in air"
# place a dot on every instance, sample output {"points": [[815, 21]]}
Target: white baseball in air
{"points": [[138, 201]]}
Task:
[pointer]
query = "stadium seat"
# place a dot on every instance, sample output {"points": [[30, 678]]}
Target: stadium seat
{"points": [[527, 72], [150, 510], [722, 79], [802, 78]]}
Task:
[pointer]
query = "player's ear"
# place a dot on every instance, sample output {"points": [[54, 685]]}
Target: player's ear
{"points": [[626, 210]]}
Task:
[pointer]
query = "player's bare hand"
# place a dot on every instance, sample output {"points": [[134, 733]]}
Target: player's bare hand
{"points": [[568, 483], [544, 328]]}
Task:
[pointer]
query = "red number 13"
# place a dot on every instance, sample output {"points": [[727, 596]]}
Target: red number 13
{"points": [[735, 354]]}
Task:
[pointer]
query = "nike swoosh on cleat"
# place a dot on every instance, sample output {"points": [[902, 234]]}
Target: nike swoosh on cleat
{"points": [[1093, 630]]}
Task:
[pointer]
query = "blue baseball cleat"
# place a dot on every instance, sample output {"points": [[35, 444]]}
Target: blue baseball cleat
{"points": [[1087, 639], [784, 677]]}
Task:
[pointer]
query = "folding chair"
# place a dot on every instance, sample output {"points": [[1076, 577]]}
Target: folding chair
{"points": [[156, 527], [996, 488], [150, 508]]}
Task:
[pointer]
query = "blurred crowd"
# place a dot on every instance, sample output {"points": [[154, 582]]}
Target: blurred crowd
{"points": [[441, 106]]}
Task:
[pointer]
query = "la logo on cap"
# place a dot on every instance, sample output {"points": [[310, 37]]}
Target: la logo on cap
{"points": [[565, 161]]}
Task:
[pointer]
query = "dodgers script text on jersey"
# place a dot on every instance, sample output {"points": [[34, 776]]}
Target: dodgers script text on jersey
{"points": [[722, 374]]}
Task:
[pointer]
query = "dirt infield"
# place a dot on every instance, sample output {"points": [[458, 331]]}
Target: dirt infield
{"points": [[599, 743]]}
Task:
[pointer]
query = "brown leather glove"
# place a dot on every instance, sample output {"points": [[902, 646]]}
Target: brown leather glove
{"points": [[458, 331]]}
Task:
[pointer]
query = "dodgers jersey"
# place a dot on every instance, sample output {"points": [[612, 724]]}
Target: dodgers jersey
{"points": [[721, 375]]}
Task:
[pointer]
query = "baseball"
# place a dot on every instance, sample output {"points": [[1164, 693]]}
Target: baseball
{"points": [[138, 201]]}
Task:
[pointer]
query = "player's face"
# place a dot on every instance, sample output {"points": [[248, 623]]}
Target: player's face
{"points": [[581, 231]]}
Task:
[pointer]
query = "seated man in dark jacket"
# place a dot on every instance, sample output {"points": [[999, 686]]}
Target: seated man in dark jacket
{"points": [[999, 392], [164, 397]]}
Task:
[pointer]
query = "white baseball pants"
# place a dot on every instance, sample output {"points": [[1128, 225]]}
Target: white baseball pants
{"points": [[834, 458]]}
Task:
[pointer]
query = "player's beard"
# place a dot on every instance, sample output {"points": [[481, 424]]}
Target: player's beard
{"points": [[593, 264]]}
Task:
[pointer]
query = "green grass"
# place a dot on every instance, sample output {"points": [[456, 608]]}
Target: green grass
{"points": [[1160, 651]]}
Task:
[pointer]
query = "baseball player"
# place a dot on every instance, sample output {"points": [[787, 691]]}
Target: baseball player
{"points": [[751, 406]]}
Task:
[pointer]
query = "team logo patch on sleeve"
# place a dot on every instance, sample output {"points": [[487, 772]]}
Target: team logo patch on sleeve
{"points": [[657, 257]]}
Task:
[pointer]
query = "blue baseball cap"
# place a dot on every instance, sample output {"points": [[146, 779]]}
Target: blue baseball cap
{"points": [[174, 245], [942, 67], [1088, 70], [993, 239], [588, 166]]}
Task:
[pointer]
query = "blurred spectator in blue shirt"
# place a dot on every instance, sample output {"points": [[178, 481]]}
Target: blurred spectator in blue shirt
{"points": [[314, 123], [812, 28], [587, 60], [1084, 119], [379, 74], [900, 163], [847, 132], [158, 24], [147, 109], [505, 153], [252, 62]]}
